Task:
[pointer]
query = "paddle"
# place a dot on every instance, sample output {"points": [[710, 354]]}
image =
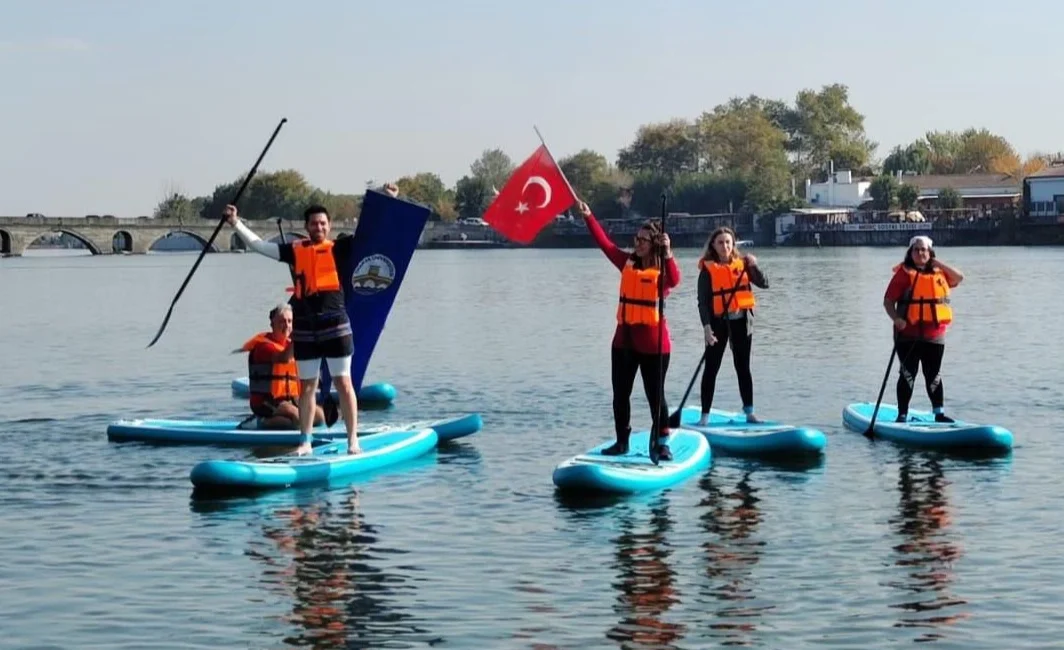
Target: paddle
{"points": [[655, 431], [210, 241], [871, 425], [869, 433], [674, 419]]}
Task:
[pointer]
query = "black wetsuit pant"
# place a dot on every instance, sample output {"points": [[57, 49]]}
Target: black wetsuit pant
{"points": [[741, 343], [625, 363], [913, 354]]}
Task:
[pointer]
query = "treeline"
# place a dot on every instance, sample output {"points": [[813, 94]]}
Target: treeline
{"points": [[747, 155]]}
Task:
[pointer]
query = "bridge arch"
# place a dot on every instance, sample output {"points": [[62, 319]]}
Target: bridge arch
{"points": [[122, 242], [85, 241], [5, 242], [188, 233]]}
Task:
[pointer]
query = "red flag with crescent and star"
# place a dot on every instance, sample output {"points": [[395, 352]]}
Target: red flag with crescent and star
{"points": [[535, 193]]}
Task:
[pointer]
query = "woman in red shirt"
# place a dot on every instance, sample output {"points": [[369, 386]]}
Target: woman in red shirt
{"points": [[635, 341], [917, 301]]}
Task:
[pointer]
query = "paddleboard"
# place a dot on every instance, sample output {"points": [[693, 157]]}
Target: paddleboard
{"points": [[377, 395], [633, 472], [227, 432], [921, 430], [730, 433], [326, 463]]}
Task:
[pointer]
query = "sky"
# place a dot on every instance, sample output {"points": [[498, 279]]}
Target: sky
{"points": [[106, 106]]}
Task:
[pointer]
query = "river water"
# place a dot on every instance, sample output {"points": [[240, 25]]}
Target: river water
{"points": [[470, 547]]}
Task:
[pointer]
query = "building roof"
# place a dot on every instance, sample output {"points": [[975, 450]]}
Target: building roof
{"points": [[962, 181], [1053, 171]]}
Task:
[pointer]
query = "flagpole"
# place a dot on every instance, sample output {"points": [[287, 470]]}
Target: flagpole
{"points": [[536, 129]]}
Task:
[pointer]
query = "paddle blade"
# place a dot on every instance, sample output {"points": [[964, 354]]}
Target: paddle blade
{"points": [[674, 420]]}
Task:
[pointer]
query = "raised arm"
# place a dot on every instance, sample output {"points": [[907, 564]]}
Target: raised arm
{"points": [[254, 242], [754, 272], [617, 256]]}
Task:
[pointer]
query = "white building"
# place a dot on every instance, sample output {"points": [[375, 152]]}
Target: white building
{"points": [[841, 191], [1045, 192]]}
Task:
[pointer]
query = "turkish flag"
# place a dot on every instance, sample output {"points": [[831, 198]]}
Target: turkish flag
{"points": [[536, 193]]}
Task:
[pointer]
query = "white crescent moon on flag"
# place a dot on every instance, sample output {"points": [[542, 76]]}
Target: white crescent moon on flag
{"points": [[542, 182]]}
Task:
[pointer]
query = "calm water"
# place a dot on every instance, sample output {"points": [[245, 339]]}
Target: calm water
{"points": [[470, 548]]}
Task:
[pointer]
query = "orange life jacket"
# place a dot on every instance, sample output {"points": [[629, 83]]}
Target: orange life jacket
{"points": [[722, 281], [279, 380], [638, 301], [315, 268], [927, 298]]}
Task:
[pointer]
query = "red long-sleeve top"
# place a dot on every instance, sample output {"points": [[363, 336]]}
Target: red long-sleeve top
{"points": [[641, 338]]}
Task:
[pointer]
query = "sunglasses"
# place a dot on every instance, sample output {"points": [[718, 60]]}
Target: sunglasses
{"points": [[642, 238]]}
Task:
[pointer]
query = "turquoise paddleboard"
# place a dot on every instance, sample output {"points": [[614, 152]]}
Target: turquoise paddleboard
{"points": [[921, 430], [327, 463], [379, 395], [229, 432], [730, 433], [633, 472]]}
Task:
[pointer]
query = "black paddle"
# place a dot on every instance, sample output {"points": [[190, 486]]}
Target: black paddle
{"points": [[674, 419], [210, 241], [655, 431], [869, 433]]}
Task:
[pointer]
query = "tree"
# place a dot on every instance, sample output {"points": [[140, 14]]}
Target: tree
{"points": [[915, 158], [427, 188], [978, 151], [472, 196], [283, 194], [824, 124], [493, 167], [949, 199], [908, 194], [666, 147], [177, 206], [883, 190], [1012, 165], [585, 169]]}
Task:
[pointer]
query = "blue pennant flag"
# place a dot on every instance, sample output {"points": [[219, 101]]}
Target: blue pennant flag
{"points": [[387, 234]]}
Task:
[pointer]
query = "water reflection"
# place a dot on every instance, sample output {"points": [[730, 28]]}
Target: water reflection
{"points": [[646, 584], [928, 548], [326, 557], [731, 550]]}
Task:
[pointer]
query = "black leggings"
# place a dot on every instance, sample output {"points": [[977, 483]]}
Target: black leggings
{"points": [[741, 342], [912, 354], [624, 365]]}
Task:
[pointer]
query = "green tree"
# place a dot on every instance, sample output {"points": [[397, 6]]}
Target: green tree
{"points": [[822, 125], [472, 196], [907, 196], [585, 169], [178, 206], [915, 157], [494, 167], [883, 190], [283, 194], [666, 147], [428, 189], [949, 199], [979, 149]]}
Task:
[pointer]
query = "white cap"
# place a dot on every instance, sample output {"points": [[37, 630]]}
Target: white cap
{"points": [[920, 238]]}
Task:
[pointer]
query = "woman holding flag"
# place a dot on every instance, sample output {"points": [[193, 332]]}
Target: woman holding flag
{"points": [[635, 341], [534, 195]]}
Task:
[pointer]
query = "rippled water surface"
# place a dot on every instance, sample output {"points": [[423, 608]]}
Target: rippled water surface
{"points": [[470, 547]]}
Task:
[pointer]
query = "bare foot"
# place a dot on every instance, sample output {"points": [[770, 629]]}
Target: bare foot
{"points": [[354, 450], [703, 421], [304, 449]]}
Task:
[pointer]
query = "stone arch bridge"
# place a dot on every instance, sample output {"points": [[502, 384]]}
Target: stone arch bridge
{"points": [[106, 235]]}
